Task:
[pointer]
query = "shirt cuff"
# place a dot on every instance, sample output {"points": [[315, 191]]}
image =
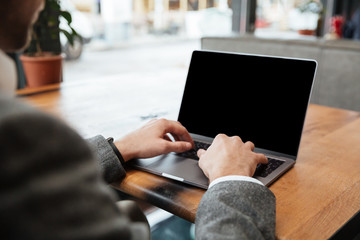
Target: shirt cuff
{"points": [[234, 178]]}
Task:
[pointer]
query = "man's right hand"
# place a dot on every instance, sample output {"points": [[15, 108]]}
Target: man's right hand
{"points": [[229, 156]]}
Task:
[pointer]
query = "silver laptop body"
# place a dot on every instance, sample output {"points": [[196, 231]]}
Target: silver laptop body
{"points": [[262, 99]]}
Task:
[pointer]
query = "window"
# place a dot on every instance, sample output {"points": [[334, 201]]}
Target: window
{"points": [[291, 16]]}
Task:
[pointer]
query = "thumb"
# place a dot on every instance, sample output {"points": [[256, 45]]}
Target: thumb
{"points": [[179, 146], [201, 152]]}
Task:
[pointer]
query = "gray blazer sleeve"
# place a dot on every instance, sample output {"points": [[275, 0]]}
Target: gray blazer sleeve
{"points": [[51, 187], [109, 163], [236, 210]]}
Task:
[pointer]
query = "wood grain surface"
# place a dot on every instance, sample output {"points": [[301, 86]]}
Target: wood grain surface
{"points": [[314, 198]]}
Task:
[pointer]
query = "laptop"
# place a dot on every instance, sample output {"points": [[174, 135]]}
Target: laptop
{"points": [[263, 99]]}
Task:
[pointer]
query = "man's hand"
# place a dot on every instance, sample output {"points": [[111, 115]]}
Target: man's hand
{"points": [[153, 139], [229, 156]]}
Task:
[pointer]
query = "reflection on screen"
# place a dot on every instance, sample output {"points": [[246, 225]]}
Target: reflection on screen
{"points": [[260, 99]]}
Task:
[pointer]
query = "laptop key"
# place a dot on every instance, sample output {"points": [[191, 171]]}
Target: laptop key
{"points": [[193, 152], [263, 170]]}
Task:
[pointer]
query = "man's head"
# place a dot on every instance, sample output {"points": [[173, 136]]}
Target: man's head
{"points": [[16, 20]]}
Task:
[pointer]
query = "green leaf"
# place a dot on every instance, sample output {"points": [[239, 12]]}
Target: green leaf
{"points": [[75, 33], [69, 36], [53, 4], [67, 16]]}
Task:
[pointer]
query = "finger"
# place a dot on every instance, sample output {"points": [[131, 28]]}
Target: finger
{"points": [[167, 138], [202, 167], [179, 131], [237, 138], [171, 137], [249, 145], [220, 139], [262, 158], [176, 138], [201, 152], [220, 136], [179, 146]]}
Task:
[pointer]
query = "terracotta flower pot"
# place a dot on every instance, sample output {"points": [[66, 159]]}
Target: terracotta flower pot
{"points": [[42, 70]]}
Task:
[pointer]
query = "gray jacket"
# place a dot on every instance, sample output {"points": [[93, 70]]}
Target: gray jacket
{"points": [[52, 188]]}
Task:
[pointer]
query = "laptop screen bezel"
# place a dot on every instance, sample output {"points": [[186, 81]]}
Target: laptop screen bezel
{"points": [[313, 63]]}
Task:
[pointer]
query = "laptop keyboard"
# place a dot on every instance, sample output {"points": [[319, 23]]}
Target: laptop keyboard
{"points": [[193, 152], [262, 170]]}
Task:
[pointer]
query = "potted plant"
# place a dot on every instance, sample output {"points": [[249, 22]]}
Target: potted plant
{"points": [[42, 60]]}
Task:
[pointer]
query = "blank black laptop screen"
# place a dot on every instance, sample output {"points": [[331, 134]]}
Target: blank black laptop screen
{"points": [[261, 99]]}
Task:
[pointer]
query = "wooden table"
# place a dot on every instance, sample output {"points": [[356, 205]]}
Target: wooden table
{"points": [[314, 199]]}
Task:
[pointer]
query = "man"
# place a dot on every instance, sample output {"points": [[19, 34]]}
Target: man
{"points": [[51, 187]]}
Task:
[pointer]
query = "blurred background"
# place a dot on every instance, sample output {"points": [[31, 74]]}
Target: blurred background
{"points": [[147, 36], [147, 44], [111, 23], [114, 22]]}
